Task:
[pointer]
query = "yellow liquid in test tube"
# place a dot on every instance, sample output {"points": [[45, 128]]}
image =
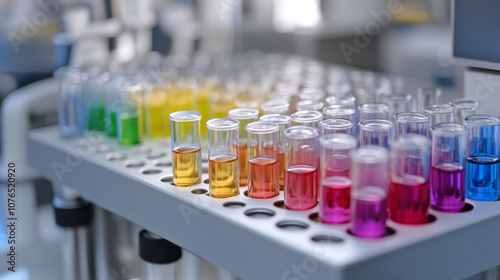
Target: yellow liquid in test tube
{"points": [[223, 170], [203, 106], [156, 111], [187, 166], [222, 102], [179, 98]]}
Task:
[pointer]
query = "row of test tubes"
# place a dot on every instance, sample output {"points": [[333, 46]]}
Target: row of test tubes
{"points": [[343, 138]]}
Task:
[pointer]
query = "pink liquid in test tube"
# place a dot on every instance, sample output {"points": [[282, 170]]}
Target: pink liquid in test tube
{"points": [[370, 205], [300, 187], [448, 193], [335, 199], [409, 200]]}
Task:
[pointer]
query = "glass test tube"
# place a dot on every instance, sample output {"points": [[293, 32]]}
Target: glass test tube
{"points": [[347, 100], [112, 102], [375, 132], [335, 191], [93, 88], [312, 94], [280, 107], [283, 123], [330, 126], [483, 158], [263, 159], [307, 118], [70, 110], [464, 108], [301, 167], [343, 112], [448, 157], [398, 103], [223, 165], [415, 123], [129, 122], [409, 190], [427, 97], [439, 113], [156, 111], [310, 105], [373, 111], [244, 116], [186, 148], [370, 185]]}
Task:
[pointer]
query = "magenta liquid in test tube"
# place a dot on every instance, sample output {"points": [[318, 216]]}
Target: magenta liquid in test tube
{"points": [[370, 187], [409, 190], [448, 159], [301, 167], [335, 190]]}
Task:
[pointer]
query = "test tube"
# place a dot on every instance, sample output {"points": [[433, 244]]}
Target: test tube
{"points": [[347, 100], [94, 98], [223, 165], [263, 159], [244, 116], [307, 118], [340, 112], [375, 132], [412, 122], [330, 126], [276, 106], [335, 192], [283, 123], [464, 108], [370, 186], [427, 97], [70, 110], [439, 113], [301, 167], [409, 190], [448, 157], [129, 123], [112, 100], [373, 111], [398, 103], [156, 111], [312, 94], [310, 105], [483, 158], [186, 148]]}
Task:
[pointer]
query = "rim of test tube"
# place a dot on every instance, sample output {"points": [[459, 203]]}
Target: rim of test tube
{"points": [[301, 132], [275, 104], [276, 118], [307, 116], [336, 124], [410, 140], [376, 124], [341, 100], [482, 120], [260, 127], [465, 103], [429, 90], [439, 109], [185, 116], [339, 110], [339, 141], [68, 74], [312, 94], [449, 128], [374, 107], [312, 105], [400, 97], [222, 124], [405, 117], [243, 113], [369, 154]]}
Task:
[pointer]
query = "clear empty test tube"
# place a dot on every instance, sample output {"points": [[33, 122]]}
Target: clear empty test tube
{"points": [[244, 116], [414, 123], [464, 108], [398, 103], [310, 105], [223, 165], [70, 110], [409, 175], [375, 132], [427, 97], [335, 190], [370, 189], [373, 111], [283, 122], [129, 122], [263, 159], [331, 126], [301, 167], [439, 113], [186, 148], [483, 158], [278, 106], [448, 158]]}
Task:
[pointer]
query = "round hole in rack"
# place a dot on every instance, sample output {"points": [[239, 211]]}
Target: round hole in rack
{"points": [[141, 150], [199, 191], [134, 163], [467, 207], [206, 181], [292, 225], [327, 239], [245, 193], [431, 219], [102, 149], [155, 155], [280, 204], [163, 163], [260, 213], [314, 217], [388, 232], [151, 171], [234, 204], [116, 156], [167, 179]]}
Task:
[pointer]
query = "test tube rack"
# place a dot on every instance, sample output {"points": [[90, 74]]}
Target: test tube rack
{"points": [[259, 239]]}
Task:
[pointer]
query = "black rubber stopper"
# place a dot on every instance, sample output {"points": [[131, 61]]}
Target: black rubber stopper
{"points": [[155, 249], [73, 217]]}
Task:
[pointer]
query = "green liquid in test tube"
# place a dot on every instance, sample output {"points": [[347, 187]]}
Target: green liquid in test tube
{"points": [[95, 120], [130, 130], [111, 127]]}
